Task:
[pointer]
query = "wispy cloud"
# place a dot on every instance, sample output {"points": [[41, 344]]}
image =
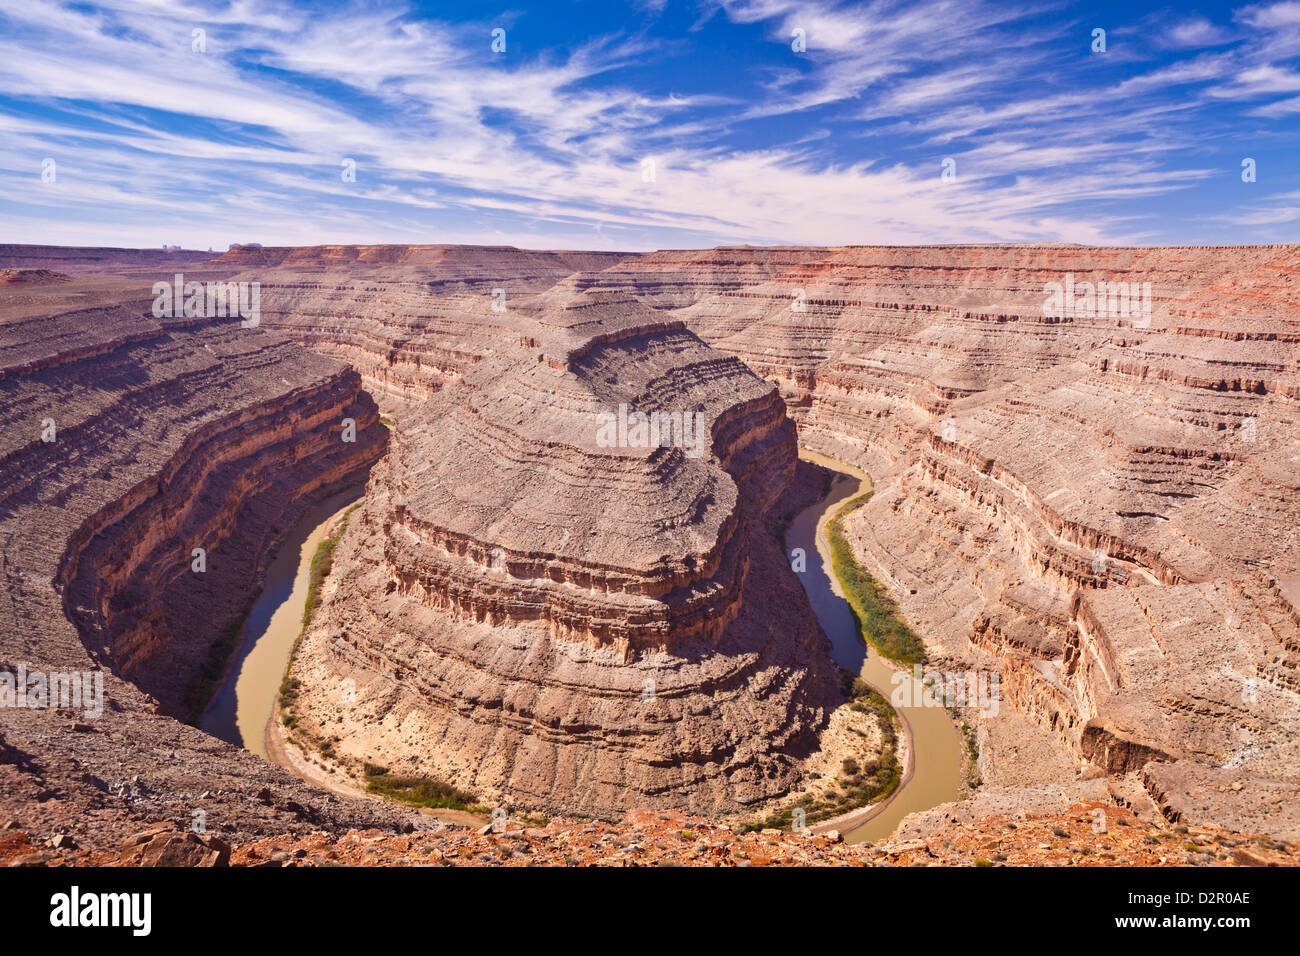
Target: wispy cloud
{"points": [[668, 130]]}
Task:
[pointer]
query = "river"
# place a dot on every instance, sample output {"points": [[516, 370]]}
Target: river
{"points": [[935, 750], [242, 707]]}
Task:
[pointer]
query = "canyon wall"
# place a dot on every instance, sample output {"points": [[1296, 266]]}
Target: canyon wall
{"points": [[566, 621], [127, 442], [1034, 466], [1101, 508], [409, 318]]}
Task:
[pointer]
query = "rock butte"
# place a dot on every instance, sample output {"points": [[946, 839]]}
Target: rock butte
{"points": [[1103, 513], [569, 626]]}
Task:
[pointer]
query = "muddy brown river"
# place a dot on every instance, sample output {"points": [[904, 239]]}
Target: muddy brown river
{"points": [[935, 745], [242, 707]]}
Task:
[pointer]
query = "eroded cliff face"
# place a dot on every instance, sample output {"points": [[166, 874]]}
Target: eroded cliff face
{"points": [[127, 442], [261, 432], [561, 619], [1100, 507], [410, 319]]}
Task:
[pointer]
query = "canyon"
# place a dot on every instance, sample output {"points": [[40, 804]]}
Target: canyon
{"points": [[615, 627], [1100, 509]]}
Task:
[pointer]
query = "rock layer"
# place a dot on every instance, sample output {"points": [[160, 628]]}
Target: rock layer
{"points": [[127, 442], [1099, 507], [1032, 468], [537, 615]]}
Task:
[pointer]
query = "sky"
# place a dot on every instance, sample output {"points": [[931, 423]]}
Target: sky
{"points": [[648, 125]]}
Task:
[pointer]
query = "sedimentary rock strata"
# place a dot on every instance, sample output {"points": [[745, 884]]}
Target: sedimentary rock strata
{"points": [[1102, 507], [1034, 466], [562, 619], [91, 260], [1099, 504], [127, 442], [409, 318]]}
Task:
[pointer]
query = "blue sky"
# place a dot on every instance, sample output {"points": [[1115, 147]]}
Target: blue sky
{"points": [[658, 124]]}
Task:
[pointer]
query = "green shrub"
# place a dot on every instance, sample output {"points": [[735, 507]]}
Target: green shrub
{"points": [[868, 783], [419, 791], [872, 605]]}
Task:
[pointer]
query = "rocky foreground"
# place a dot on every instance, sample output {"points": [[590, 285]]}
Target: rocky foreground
{"points": [[1078, 837]]}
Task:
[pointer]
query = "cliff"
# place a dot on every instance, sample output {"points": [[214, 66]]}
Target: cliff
{"points": [[1098, 506], [1033, 466], [557, 621], [127, 442]]}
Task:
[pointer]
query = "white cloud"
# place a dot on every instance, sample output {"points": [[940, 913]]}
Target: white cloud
{"points": [[144, 122], [1272, 16], [1195, 32]]}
